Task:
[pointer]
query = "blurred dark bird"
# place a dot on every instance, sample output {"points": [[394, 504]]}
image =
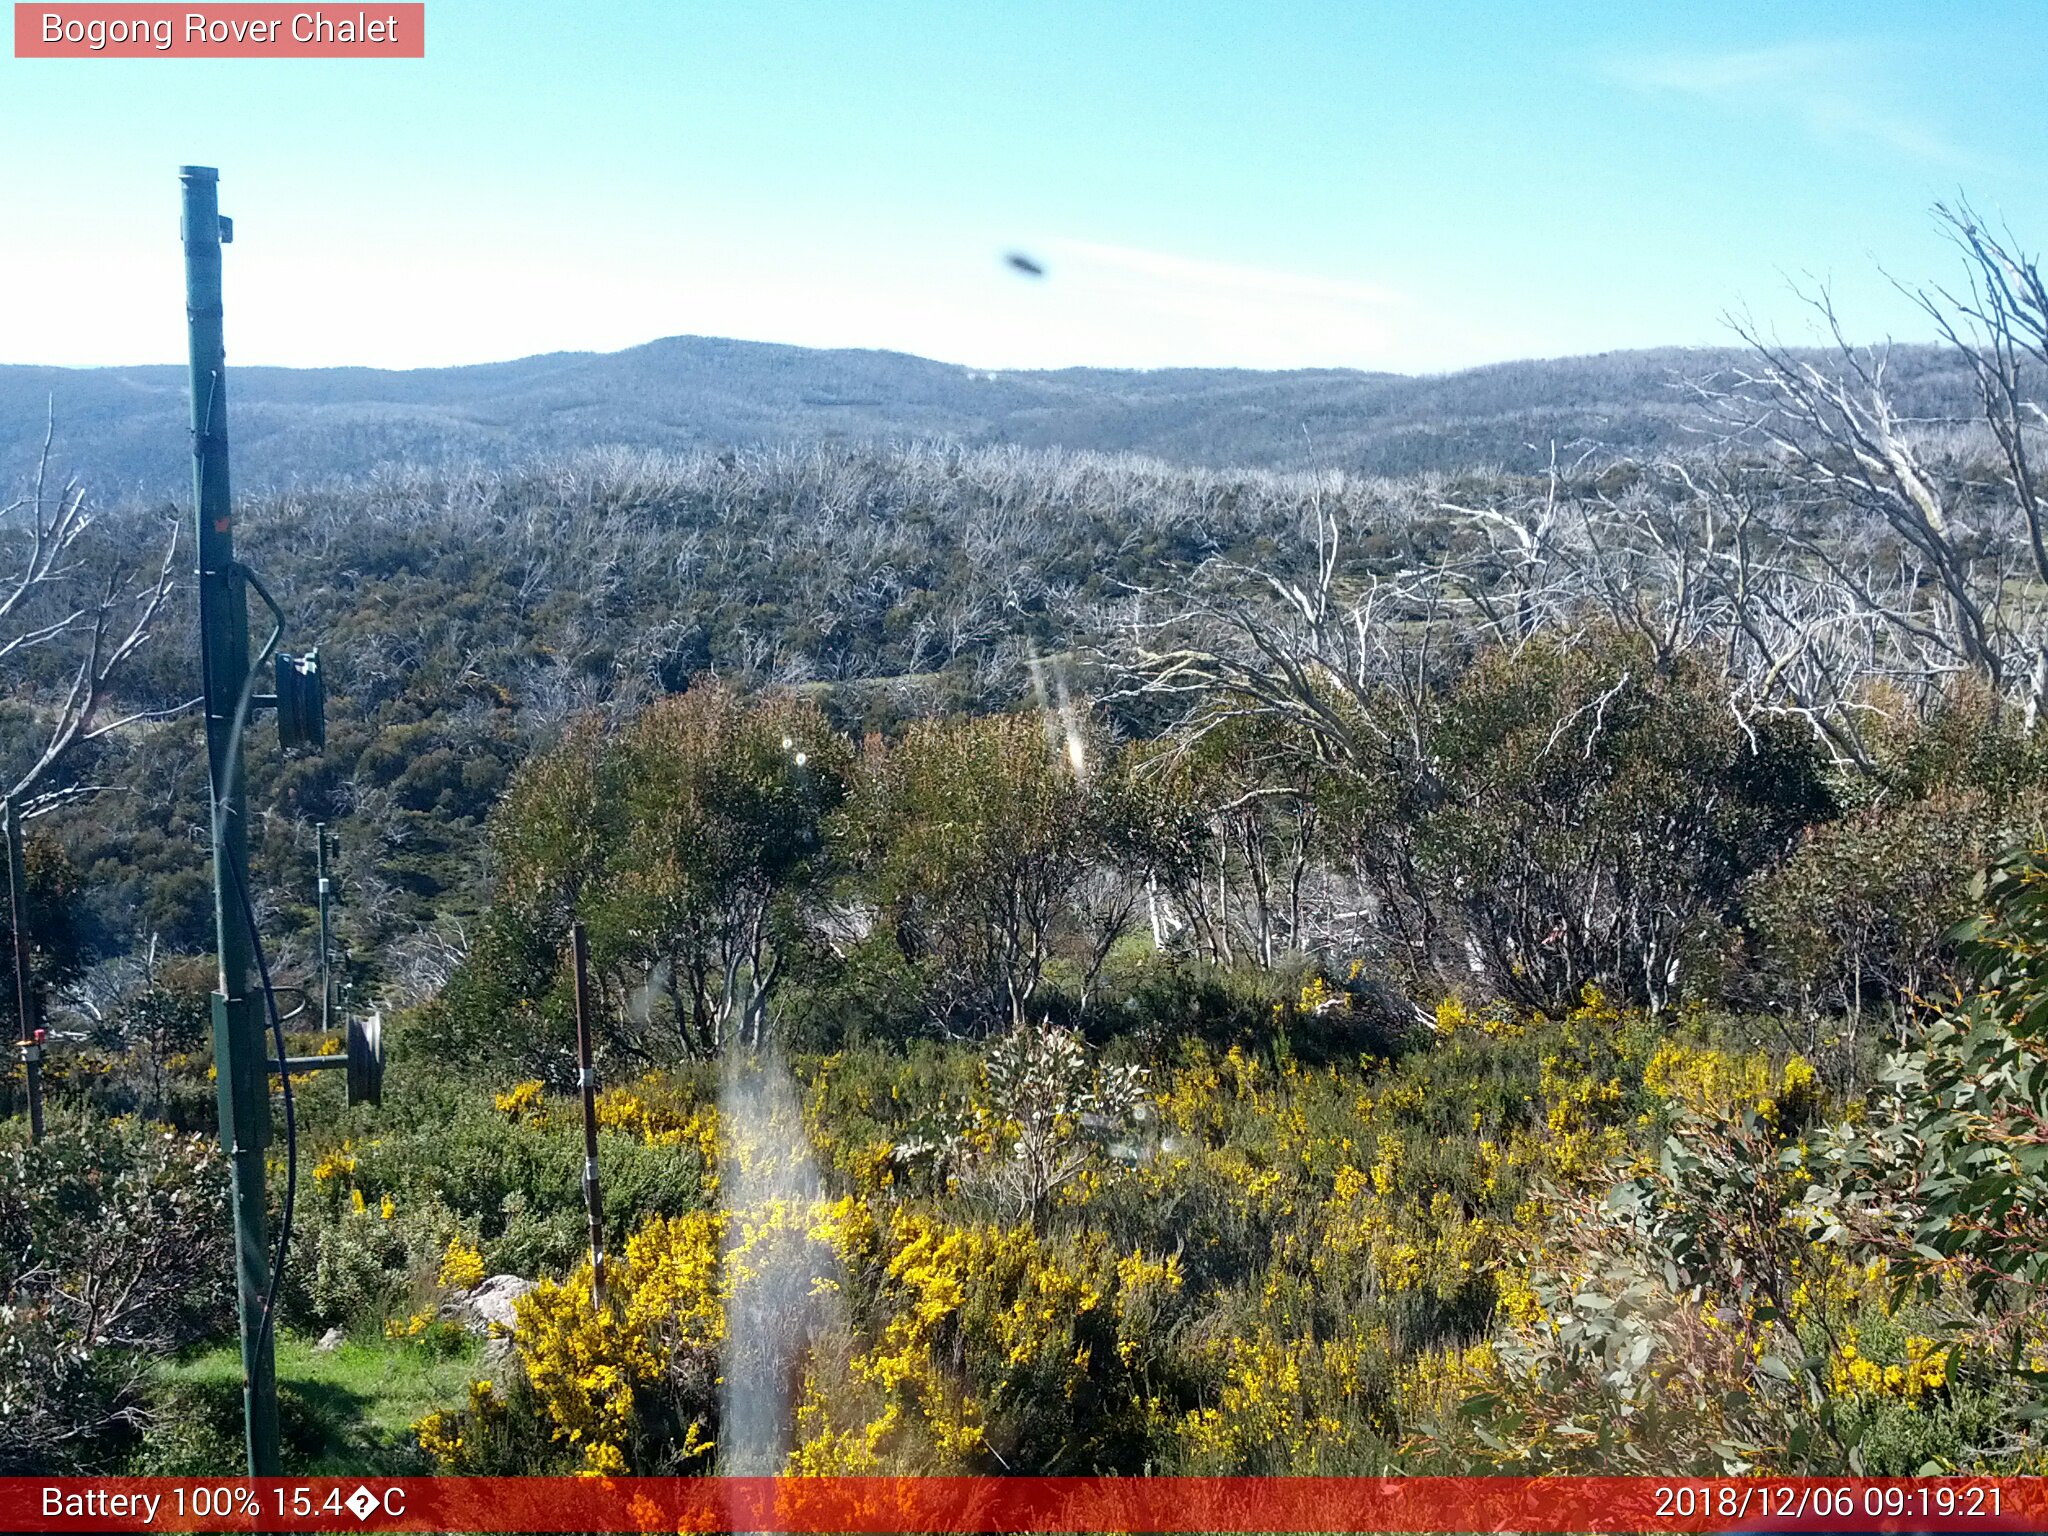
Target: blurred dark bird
{"points": [[1025, 264]]}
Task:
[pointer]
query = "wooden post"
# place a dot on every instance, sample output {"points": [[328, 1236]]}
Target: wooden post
{"points": [[586, 1083], [30, 1042], [326, 976]]}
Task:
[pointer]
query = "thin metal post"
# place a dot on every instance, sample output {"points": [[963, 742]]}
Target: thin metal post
{"points": [[586, 1082], [238, 1049], [326, 982], [30, 1042]]}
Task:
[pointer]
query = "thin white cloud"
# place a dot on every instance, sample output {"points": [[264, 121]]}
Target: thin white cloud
{"points": [[1106, 302], [944, 295], [1728, 72], [1839, 92]]}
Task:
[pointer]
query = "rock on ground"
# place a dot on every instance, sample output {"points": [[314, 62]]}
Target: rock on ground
{"points": [[488, 1306]]}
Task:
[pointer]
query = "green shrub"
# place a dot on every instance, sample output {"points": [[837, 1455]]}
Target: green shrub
{"points": [[973, 838], [113, 1249], [1858, 917], [362, 1268], [1946, 1177], [195, 1429], [1589, 814], [450, 1160]]}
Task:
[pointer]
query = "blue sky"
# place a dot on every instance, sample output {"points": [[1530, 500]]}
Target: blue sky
{"points": [[1269, 184]]}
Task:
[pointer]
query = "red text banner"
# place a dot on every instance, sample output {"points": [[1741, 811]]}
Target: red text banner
{"points": [[240, 31], [968, 1504]]}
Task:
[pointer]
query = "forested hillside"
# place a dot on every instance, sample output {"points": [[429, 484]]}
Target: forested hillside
{"points": [[1099, 964], [296, 427]]}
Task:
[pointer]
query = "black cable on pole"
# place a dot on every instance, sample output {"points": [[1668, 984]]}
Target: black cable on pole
{"points": [[238, 723], [291, 1120]]}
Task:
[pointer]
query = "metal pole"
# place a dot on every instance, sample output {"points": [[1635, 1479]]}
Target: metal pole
{"points": [[238, 1051], [586, 1081], [30, 1043], [326, 984]]}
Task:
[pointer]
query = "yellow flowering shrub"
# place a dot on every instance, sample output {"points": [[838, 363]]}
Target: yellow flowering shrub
{"points": [[338, 1166], [1315, 998], [1454, 1014], [1192, 1103], [972, 1324], [1537, 1244], [827, 1445], [1923, 1369], [1289, 1385], [652, 1112], [524, 1102], [410, 1327], [1435, 1384], [663, 1328], [462, 1266], [451, 1439]]}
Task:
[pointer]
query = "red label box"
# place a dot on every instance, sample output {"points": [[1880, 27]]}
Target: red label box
{"points": [[872, 1506], [110, 30]]}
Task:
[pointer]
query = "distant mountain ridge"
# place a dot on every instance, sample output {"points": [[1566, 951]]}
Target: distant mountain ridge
{"points": [[125, 429]]}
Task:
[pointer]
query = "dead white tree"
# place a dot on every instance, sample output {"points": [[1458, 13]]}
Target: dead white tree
{"points": [[1999, 326], [55, 596], [1343, 660], [1842, 441], [1936, 569]]}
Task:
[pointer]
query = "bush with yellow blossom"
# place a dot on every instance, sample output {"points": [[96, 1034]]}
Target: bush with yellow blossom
{"points": [[1544, 1244]]}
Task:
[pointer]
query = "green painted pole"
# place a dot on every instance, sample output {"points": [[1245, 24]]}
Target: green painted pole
{"points": [[238, 1046]]}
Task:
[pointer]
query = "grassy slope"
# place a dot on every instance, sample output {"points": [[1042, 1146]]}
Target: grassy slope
{"points": [[345, 1411]]}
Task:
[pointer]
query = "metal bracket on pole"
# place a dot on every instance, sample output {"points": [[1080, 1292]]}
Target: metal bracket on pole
{"points": [[363, 1060]]}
